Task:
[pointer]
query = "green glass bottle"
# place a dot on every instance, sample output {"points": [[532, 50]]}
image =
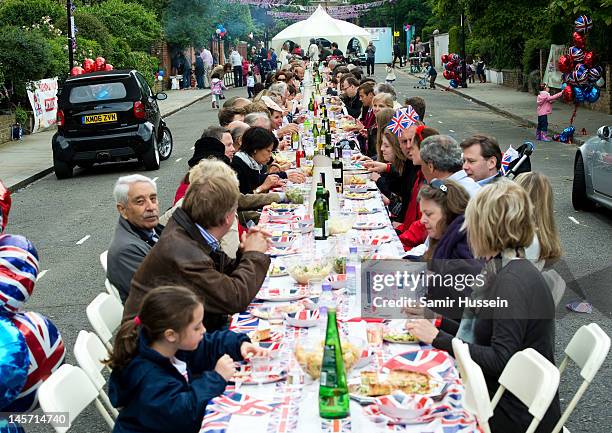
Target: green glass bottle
{"points": [[311, 105], [320, 214], [338, 169], [322, 137], [333, 389]]}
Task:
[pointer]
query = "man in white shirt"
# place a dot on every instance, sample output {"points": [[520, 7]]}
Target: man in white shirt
{"points": [[207, 57], [236, 61], [441, 156], [481, 158], [313, 51]]}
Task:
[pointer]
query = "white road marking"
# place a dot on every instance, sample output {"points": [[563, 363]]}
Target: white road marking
{"points": [[439, 121], [179, 159], [574, 220], [82, 240], [451, 130], [42, 274], [155, 179]]}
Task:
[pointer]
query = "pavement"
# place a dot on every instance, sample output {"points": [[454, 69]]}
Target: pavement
{"points": [[31, 158], [521, 107]]}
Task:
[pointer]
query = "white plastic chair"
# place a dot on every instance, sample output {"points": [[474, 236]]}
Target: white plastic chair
{"points": [[104, 314], [89, 352], [111, 289], [103, 260], [531, 378], [588, 348], [476, 393], [69, 390]]}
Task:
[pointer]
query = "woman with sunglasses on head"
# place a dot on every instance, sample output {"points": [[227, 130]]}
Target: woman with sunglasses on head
{"points": [[443, 204], [510, 309]]}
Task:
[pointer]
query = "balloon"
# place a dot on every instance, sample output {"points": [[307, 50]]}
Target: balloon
{"points": [[576, 54], [218, 31], [99, 63], [568, 78], [568, 94], [454, 84], [444, 58], [595, 73], [578, 94], [108, 67], [600, 82], [583, 24], [579, 39], [580, 74], [88, 65], [455, 57], [46, 352], [447, 75], [77, 70], [5, 206], [593, 94], [565, 63], [14, 362], [18, 254], [161, 73], [590, 59]]}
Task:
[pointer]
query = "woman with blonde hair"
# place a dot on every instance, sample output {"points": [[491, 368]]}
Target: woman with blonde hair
{"points": [[546, 246], [380, 101], [510, 308]]}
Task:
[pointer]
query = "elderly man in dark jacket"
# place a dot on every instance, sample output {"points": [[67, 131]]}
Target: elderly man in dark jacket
{"points": [[137, 230], [188, 254]]}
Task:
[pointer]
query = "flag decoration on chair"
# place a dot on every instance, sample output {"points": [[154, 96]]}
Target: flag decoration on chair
{"points": [[46, 351], [18, 271], [402, 119]]}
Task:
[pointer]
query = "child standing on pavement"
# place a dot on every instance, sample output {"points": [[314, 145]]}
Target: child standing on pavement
{"points": [[544, 101], [166, 368], [216, 89], [390, 78], [250, 82]]}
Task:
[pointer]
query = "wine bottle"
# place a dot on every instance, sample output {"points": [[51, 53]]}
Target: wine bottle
{"points": [[295, 140], [338, 169], [320, 214], [333, 388], [299, 154], [323, 137]]}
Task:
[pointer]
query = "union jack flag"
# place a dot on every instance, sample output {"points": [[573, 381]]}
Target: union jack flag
{"points": [[18, 271], [214, 421], [583, 24], [46, 350], [433, 362], [402, 119], [336, 425], [242, 404], [509, 155], [243, 322]]}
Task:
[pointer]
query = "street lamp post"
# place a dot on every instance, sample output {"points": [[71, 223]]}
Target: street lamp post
{"points": [[69, 8], [464, 63]]}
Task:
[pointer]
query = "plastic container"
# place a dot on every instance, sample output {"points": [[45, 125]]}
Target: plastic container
{"points": [[351, 271]]}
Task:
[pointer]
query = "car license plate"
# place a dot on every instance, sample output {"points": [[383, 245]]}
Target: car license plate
{"points": [[99, 118]]}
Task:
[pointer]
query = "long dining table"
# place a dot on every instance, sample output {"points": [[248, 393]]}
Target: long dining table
{"points": [[286, 399]]}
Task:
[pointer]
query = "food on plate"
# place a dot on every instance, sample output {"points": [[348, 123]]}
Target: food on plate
{"points": [[310, 359], [358, 195], [282, 206], [357, 180], [350, 126], [339, 224], [340, 265], [276, 312], [277, 271], [400, 337], [375, 384], [260, 334], [294, 195], [280, 158], [307, 169], [301, 272]]}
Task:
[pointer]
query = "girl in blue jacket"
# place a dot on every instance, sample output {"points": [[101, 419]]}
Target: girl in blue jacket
{"points": [[166, 369]]}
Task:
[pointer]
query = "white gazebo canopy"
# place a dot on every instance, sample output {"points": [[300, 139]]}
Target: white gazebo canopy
{"points": [[321, 25]]}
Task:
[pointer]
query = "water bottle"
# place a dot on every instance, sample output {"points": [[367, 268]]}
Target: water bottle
{"points": [[326, 300], [351, 271]]}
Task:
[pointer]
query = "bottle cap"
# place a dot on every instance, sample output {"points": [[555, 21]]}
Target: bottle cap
{"points": [[352, 250], [326, 287]]}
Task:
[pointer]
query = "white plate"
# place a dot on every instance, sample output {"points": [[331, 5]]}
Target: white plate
{"points": [[368, 225], [290, 294]]}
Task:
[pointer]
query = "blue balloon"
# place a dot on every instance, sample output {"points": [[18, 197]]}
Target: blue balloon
{"points": [[10, 427], [161, 73], [14, 362], [453, 84], [593, 94], [578, 94], [19, 242]]}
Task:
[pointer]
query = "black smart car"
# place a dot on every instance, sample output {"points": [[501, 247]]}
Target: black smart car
{"points": [[108, 116]]}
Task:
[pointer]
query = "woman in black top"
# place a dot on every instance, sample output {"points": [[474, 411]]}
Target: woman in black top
{"points": [[499, 221], [250, 163]]}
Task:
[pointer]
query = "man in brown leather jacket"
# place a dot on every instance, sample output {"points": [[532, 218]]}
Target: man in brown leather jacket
{"points": [[188, 254]]}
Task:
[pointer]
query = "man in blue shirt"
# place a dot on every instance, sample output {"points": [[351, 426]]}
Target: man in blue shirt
{"points": [[481, 158]]}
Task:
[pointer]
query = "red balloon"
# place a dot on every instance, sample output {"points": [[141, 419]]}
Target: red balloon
{"points": [[447, 75], [568, 93], [579, 39], [565, 64], [590, 59], [77, 70], [444, 58], [99, 63], [88, 65], [108, 67]]}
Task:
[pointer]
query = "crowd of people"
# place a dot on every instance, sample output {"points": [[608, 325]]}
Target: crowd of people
{"points": [[186, 271]]}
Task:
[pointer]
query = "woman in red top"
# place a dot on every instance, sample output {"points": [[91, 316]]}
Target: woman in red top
{"points": [[412, 232]]}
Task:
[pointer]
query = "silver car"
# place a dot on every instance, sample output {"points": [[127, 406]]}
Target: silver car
{"points": [[593, 172]]}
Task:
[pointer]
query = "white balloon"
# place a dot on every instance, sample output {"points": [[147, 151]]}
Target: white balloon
{"points": [[600, 82], [218, 31]]}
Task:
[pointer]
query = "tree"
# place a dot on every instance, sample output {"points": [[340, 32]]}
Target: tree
{"points": [[27, 12]]}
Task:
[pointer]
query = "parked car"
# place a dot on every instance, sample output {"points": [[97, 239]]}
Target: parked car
{"points": [[593, 172], [109, 116]]}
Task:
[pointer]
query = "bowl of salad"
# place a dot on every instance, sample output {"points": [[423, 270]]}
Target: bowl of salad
{"points": [[304, 268]]}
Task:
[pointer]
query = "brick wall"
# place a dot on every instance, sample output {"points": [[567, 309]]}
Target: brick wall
{"points": [[6, 120], [513, 78]]}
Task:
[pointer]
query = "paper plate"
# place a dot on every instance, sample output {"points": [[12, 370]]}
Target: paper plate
{"points": [[280, 295], [358, 195], [277, 271], [245, 377], [369, 225], [282, 251]]}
